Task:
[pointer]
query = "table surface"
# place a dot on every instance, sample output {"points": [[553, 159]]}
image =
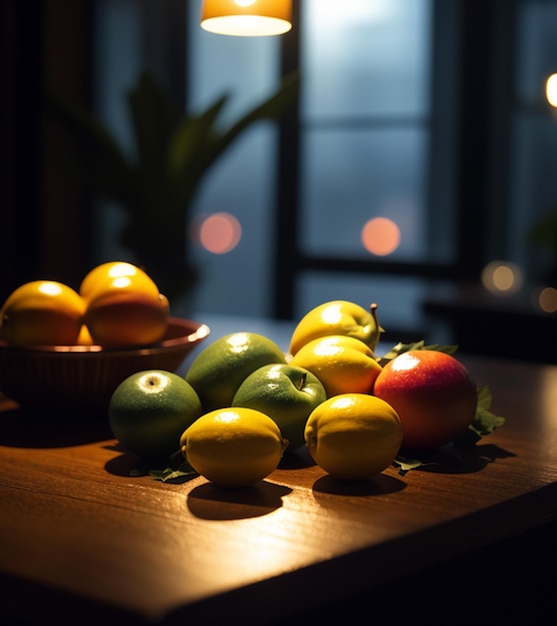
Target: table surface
{"points": [[77, 524]]}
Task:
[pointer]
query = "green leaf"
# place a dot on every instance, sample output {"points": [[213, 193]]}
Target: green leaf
{"points": [[405, 465], [485, 421], [184, 472], [271, 109], [154, 119], [192, 140], [400, 348]]}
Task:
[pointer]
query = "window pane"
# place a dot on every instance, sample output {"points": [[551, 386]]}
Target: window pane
{"points": [[365, 57], [366, 132], [537, 49], [117, 68], [533, 189], [352, 176], [242, 182]]}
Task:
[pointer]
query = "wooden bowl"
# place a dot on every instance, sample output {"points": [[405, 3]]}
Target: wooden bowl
{"points": [[82, 379]]}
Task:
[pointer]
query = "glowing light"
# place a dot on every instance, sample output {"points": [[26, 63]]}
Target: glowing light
{"points": [[332, 314], [343, 402], [247, 18], [50, 289], [502, 277], [547, 300], [551, 90], [227, 417], [218, 233], [326, 348], [121, 282], [405, 362], [122, 269], [238, 342], [152, 383], [380, 236]]}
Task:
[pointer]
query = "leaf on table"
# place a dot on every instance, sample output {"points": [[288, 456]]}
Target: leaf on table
{"points": [[175, 469], [485, 421], [169, 474], [405, 465]]}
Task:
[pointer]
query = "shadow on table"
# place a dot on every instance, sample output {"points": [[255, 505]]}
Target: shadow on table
{"points": [[38, 428], [451, 459], [210, 502], [377, 485]]}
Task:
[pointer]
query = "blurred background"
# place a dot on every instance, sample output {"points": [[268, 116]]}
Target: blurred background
{"points": [[417, 168]]}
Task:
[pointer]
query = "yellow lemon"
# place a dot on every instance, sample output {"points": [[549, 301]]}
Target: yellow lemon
{"points": [[42, 312], [104, 277], [233, 447], [342, 364], [353, 436], [337, 317]]}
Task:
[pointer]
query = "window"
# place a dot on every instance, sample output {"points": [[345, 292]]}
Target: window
{"points": [[365, 141], [421, 150], [532, 189]]}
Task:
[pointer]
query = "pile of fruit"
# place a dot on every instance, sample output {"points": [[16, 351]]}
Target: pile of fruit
{"points": [[117, 305], [244, 403]]}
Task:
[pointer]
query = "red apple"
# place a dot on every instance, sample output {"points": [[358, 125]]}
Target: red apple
{"points": [[432, 392]]}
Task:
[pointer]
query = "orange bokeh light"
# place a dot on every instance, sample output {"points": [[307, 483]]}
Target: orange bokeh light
{"points": [[218, 233], [380, 236]]}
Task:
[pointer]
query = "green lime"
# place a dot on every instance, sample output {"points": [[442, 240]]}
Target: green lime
{"points": [[149, 411], [286, 393], [220, 368]]}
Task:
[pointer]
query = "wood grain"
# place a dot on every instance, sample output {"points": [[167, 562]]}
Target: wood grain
{"points": [[76, 526]]}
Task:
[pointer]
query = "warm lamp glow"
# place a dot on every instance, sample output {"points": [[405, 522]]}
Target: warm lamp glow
{"points": [[380, 236], [551, 90], [247, 18], [502, 277]]}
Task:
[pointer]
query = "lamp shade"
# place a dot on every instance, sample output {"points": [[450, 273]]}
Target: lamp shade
{"points": [[551, 90], [247, 18]]}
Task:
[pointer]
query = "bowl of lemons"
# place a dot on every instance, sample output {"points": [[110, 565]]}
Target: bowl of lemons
{"points": [[67, 350]]}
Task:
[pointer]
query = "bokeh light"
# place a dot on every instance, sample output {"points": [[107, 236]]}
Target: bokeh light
{"points": [[502, 277], [218, 233], [380, 236], [547, 299], [551, 90], [50, 288]]}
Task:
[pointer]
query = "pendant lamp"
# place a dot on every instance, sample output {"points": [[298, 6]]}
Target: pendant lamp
{"points": [[551, 90], [247, 18]]}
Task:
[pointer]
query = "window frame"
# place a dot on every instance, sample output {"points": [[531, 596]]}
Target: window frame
{"points": [[484, 32]]}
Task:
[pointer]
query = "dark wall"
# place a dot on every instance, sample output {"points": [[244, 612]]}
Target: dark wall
{"points": [[43, 227]]}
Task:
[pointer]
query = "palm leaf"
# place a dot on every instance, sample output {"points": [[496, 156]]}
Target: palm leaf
{"points": [[154, 119], [271, 109]]}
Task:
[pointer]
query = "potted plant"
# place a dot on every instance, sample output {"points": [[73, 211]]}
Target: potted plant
{"points": [[157, 185]]}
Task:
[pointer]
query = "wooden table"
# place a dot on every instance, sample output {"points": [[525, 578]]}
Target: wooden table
{"points": [[82, 540]]}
